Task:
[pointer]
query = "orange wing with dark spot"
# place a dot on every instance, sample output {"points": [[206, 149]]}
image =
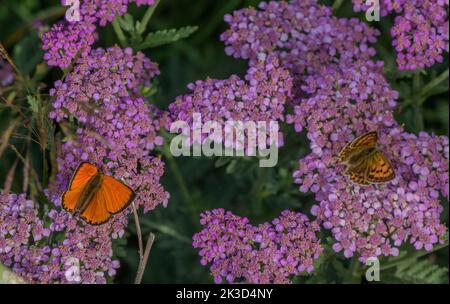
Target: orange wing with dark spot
{"points": [[380, 169], [357, 174], [80, 178], [368, 140]]}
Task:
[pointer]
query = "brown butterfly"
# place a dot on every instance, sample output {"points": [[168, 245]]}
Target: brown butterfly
{"points": [[95, 197], [366, 164]]}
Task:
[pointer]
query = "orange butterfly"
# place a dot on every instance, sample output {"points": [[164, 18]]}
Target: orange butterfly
{"points": [[94, 196], [366, 164]]}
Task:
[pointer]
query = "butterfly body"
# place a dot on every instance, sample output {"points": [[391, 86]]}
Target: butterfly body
{"points": [[95, 197], [366, 163], [91, 188], [358, 156]]}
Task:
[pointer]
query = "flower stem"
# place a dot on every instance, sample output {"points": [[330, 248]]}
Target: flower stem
{"points": [[119, 32], [10, 177], [49, 14], [337, 4], [432, 84], [148, 15], [138, 232], [352, 275], [418, 113], [144, 260], [257, 193], [178, 176], [179, 179]]}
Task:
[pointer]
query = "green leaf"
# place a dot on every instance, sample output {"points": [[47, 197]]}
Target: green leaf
{"points": [[421, 272], [222, 161], [159, 38], [28, 53], [148, 91], [127, 23], [231, 166], [168, 230], [437, 85], [33, 103]]}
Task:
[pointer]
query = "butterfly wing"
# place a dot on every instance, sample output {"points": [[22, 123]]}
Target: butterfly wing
{"points": [[112, 197], [380, 168], [368, 140], [80, 178], [96, 212], [70, 199], [357, 173], [119, 196]]}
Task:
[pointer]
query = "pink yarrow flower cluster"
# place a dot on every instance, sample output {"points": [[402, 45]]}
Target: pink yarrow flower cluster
{"points": [[104, 11], [268, 253], [115, 129], [118, 129], [53, 248], [68, 39], [420, 32], [105, 77], [65, 41], [260, 97], [301, 33], [377, 219], [341, 94]]}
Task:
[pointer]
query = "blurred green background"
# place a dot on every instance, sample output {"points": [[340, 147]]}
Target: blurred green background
{"points": [[238, 185]]}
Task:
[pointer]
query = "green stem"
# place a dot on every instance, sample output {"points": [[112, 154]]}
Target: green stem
{"points": [[352, 275], [148, 15], [418, 113], [432, 84], [180, 180], [9, 277], [178, 176], [337, 4], [257, 193], [119, 32], [51, 13], [215, 20], [413, 256]]}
